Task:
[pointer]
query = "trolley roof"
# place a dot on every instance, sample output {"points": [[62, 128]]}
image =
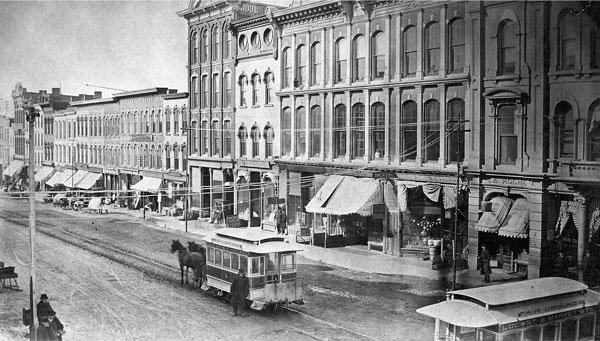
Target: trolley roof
{"points": [[515, 292], [513, 302], [249, 240]]}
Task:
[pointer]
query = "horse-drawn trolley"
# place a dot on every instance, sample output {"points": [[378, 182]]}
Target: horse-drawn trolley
{"points": [[269, 261]]}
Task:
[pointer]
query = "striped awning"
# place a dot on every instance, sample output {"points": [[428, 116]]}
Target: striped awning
{"points": [[148, 184], [89, 181], [74, 180], [516, 224], [352, 195], [491, 221], [66, 175], [14, 168]]}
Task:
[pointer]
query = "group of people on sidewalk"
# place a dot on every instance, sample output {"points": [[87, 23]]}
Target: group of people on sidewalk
{"points": [[281, 220], [50, 328]]}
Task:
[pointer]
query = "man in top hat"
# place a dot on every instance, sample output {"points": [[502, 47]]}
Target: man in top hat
{"points": [[240, 289], [44, 309]]}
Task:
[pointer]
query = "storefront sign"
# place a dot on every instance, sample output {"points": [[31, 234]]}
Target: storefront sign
{"points": [[509, 182], [227, 242], [384, 175]]}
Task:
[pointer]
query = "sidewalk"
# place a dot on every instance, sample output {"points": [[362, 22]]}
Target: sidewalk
{"points": [[356, 257]]}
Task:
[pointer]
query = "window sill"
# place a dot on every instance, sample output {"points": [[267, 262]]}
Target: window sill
{"points": [[256, 106], [243, 107], [269, 105]]}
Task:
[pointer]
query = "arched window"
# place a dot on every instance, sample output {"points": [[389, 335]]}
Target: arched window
{"points": [[168, 156], [509, 43], [564, 130], [227, 87], [216, 44], [226, 43], [431, 125], [243, 85], [315, 130], [357, 130], [194, 138], [268, 88], [204, 52], [595, 46], [432, 43], [242, 136], [300, 66], [184, 120], [359, 53], [300, 131], [507, 146], [147, 122], [160, 121], [216, 89], [159, 159], [254, 136], [176, 119], [204, 138], [176, 157], [194, 88], [408, 131], [379, 53], [153, 120], [377, 131], [216, 138], [593, 132], [152, 157], [255, 89], [269, 136], [339, 131], [286, 61], [204, 91], [146, 157], [457, 45], [286, 131], [410, 51], [184, 158], [316, 70], [168, 121], [194, 42], [341, 60], [227, 137], [455, 144]]}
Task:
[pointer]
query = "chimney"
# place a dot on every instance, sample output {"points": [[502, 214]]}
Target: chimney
{"points": [[55, 91], [172, 91], [97, 94]]}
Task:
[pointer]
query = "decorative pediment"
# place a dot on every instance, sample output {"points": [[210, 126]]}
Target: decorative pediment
{"points": [[504, 93]]}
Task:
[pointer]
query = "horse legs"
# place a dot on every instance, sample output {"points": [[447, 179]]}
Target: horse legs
{"points": [[181, 268]]}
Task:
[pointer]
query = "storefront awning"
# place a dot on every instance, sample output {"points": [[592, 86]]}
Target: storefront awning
{"points": [[74, 180], [14, 168], [89, 181], [319, 201], [352, 195], [66, 175], [53, 180], [44, 173], [491, 221], [390, 198], [516, 224], [148, 184]]}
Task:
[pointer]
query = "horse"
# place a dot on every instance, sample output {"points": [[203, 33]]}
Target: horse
{"points": [[187, 260], [195, 247]]}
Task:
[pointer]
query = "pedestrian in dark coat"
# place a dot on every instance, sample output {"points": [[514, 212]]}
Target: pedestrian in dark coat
{"points": [[56, 327], [486, 268], [283, 220], [240, 289], [277, 217], [44, 331], [44, 309], [560, 265], [589, 266]]}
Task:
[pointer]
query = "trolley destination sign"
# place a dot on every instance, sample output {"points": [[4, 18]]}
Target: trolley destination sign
{"points": [[547, 318]]}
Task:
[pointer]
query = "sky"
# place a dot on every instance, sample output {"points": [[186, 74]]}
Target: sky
{"points": [[127, 45]]}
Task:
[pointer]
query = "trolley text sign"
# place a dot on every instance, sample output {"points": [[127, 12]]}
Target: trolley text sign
{"points": [[545, 319]]}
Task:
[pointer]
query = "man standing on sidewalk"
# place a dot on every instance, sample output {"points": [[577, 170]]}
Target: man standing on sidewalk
{"points": [[486, 268]]}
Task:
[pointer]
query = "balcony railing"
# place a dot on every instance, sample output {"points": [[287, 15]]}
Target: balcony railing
{"points": [[576, 169]]}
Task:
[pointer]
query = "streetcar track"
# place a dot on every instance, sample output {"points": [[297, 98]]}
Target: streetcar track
{"points": [[161, 265]]}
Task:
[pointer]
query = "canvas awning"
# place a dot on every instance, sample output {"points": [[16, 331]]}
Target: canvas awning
{"points": [[148, 184], [14, 168], [74, 180], [491, 221], [66, 175], [516, 224], [90, 180], [44, 173], [52, 181], [319, 201], [352, 195]]}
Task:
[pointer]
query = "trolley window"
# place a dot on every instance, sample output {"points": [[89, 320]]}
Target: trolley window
{"points": [[512, 336], [288, 262], [244, 263], [258, 266], [235, 261], [486, 335], [586, 327], [226, 259], [568, 328], [532, 333], [211, 255], [549, 332], [218, 257]]}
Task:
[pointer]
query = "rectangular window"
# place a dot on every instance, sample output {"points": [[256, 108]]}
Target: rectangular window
{"points": [[218, 257], [257, 266], [227, 136], [244, 263], [227, 86], [216, 92], [506, 132], [226, 259], [359, 69], [211, 255], [205, 92], [288, 263], [235, 261], [216, 135]]}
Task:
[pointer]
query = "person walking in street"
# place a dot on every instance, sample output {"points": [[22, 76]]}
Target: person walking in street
{"points": [[240, 289], [283, 221], [44, 309], [277, 217], [486, 268]]}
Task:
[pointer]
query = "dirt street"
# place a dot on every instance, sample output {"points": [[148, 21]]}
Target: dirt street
{"points": [[117, 298]]}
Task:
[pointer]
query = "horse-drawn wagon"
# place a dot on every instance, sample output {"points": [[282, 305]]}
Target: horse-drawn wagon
{"points": [[269, 261]]}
